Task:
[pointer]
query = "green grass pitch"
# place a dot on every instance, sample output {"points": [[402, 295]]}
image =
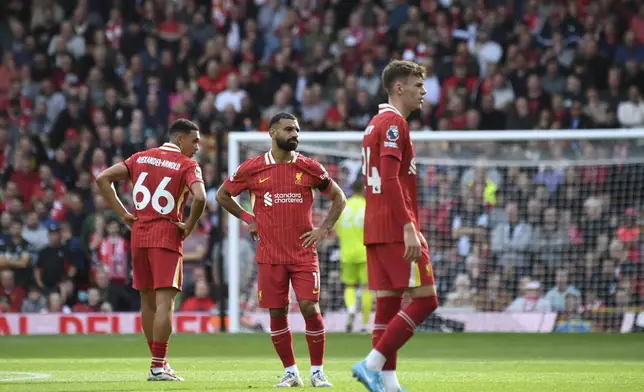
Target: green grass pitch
{"points": [[430, 362]]}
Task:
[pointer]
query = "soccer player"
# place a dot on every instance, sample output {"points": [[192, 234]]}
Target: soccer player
{"points": [[281, 183], [163, 179], [353, 255], [397, 253]]}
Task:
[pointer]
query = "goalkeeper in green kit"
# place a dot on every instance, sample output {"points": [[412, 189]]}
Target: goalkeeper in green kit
{"points": [[353, 256]]}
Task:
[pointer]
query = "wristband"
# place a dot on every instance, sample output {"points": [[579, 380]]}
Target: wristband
{"points": [[246, 216]]}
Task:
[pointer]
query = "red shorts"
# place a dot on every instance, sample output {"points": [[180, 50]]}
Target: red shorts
{"points": [[389, 271], [156, 268], [273, 284]]}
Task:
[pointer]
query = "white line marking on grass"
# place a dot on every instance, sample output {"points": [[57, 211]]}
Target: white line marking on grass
{"points": [[21, 376]]}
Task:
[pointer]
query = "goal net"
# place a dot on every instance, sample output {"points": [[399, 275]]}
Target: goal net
{"points": [[534, 231]]}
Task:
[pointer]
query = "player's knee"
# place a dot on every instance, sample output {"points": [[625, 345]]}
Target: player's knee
{"points": [[428, 304], [164, 299], [309, 308], [278, 312]]}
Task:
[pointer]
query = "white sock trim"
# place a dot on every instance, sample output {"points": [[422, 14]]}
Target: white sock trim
{"points": [[292, 369], [375, 360], [316, 369], [391, 380]]}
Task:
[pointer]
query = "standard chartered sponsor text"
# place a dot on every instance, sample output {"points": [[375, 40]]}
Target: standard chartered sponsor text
{"points": [[288, 198]]}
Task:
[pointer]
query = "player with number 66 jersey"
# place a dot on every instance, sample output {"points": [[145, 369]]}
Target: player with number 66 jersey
{"points": [[163, 179]]}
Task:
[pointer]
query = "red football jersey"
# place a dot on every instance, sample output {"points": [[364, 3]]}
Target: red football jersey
{"points": [[282, 199], [161, 179], [387, 134]]}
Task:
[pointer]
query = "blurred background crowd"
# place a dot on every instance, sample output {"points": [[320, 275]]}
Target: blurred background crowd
{"points": [[86, 83]]}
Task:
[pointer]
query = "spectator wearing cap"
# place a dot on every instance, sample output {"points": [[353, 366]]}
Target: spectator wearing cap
{"points": [[557, 295], [16, 254], [54, 262], [531, 300]]}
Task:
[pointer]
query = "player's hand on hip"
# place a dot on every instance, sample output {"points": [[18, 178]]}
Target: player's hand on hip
{"points": [[412, 243], [185, 230], [252, 229], [129, 219], [314, 237], [423, 240]]}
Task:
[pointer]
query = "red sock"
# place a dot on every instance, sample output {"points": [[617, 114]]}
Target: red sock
{"points": [[151, 352], [159, 352], [282, 339], [402, 327], [316, 338], [386, 310]]}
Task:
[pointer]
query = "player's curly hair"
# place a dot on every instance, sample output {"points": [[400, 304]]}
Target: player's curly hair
{"points": [[183, 126], [400, 70]]}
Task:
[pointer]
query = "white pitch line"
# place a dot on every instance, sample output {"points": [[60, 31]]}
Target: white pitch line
{"points": [[22, 376]]}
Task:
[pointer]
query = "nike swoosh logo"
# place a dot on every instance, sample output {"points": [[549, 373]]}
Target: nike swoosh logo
{"points": [[278, 342], [318, 341], [261, 180], [316, 291]]}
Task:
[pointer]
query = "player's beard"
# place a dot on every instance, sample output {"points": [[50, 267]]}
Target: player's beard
{"points": [[287, 145]]}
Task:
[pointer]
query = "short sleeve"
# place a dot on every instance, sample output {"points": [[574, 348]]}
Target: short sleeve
{"points": [[320, 177], [193, 174], [394, 138], [238, 181], [129, 163]]}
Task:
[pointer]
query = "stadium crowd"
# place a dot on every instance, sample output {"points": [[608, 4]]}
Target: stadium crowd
{"points": [[85, 84]]}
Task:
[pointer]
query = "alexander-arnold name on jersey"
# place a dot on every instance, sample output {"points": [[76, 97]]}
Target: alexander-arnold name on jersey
{"points": [[159, 162]]}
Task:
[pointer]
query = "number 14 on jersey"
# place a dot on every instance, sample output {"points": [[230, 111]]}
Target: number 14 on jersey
{"points": [[370, 172]]}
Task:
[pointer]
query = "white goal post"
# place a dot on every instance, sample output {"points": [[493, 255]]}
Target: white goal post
{"points": [[236, 140]]}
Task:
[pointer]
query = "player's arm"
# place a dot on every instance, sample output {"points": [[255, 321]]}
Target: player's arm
{"points": [[333, 192], [194, 181], [338, 202], [197, 207], [233, 186], [390, 160], [105, 182]]}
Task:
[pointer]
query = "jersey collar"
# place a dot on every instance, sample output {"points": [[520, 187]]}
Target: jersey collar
{"points": [[270, 159], [385, 107], [170, 147]]}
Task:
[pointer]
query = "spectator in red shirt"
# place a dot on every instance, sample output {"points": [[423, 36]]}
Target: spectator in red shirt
{"points": [[201, 302], [25, 178], [629, 235], [213, 81], [93, 304], [11, 297], [48, 181], [459, 81]]}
